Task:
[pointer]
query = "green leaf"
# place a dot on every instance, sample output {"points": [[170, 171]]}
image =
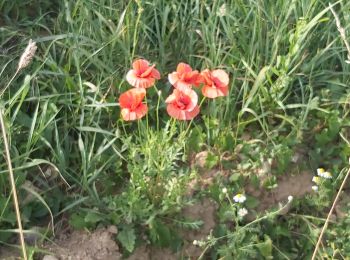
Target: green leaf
{"points": [[93, 217], [127, 238], [211, 160], [251, 202], [77, 221], [235, 177], [265, 248], [195, 139]]}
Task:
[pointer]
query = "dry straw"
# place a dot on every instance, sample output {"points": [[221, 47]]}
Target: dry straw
{"points": [[341, 32], [24, 61]]}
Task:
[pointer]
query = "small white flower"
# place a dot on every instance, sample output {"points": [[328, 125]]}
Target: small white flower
{"points": [[239, 198], [322, 173], [290, 198], [316, 179], [201, 243], [242, 212], [314, 187], [224, 190], [327, 175], [195, 242]]}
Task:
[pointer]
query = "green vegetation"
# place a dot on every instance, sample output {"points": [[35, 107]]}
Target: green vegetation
{"points": [[286, 113]]}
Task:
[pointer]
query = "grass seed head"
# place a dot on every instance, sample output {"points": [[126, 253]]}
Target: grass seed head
{"points": [[27, 55]]}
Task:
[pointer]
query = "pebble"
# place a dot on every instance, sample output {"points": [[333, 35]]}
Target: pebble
{"points": [[50, 257]]}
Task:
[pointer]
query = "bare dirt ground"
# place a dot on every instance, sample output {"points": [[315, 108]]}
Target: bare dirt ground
{"points": [[204, 210], [7, 253], [81, 245]]}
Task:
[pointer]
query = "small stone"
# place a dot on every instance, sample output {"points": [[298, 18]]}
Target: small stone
{"points": [[201, 158], [113, 229], [50, 257]]}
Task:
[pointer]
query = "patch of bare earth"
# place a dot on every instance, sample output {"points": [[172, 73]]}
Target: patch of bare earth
{"points": [[81, 245], [297, 185], [7, 253], [204, 210]]}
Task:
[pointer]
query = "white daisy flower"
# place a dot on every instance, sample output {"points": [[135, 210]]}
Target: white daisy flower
{"points": [[242, 212], [195, 242], [224, 190], [239, 198], [324, 174], [314, 187], [327, 175], [316, 179], [320, 171]]}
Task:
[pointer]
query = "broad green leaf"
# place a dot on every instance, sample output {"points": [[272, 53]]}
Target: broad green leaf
{"points": [[127, 238]]}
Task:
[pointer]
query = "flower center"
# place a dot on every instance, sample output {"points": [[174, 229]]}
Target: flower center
{"points": [[183, 101]]}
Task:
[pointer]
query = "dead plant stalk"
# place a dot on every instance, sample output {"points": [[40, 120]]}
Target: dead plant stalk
{"points": [[13, 184], [24, 61], [330, 214]]}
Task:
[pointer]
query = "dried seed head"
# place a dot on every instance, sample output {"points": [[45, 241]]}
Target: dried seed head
{"points": [[27, 55]]}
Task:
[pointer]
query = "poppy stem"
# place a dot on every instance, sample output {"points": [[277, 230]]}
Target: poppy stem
{"points": [[146, 113], [139, 14], [157, 109]]}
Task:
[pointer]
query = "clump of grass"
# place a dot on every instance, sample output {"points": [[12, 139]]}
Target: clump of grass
{"points": [[287, 75]]}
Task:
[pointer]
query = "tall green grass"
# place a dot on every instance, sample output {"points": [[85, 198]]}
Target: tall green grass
{"points": [[285, 60]]}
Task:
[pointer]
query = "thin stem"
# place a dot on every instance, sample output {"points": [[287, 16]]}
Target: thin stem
{"points": [[8, 84], [341, 31], [157, 111], [13, 185], [189, 125], [329, 215], [139, 13]]}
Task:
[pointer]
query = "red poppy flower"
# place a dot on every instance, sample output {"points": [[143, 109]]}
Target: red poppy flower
{"points": [[142, 75], [131, 104], [215, 83], [184, 77], [182, 105]]}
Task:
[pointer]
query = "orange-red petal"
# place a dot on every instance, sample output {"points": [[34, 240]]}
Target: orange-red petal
{"points": [[132, 98], [179, 114], [193, 113], [140, 65], [213, 92], [131, 115], [131, 77], [220, 77], [144, 82], [182, 105], [141, 110], [206, 76], [139, 82], [173, 78], [183, 68], [155, 73], [142, 75], [182, 85]]}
